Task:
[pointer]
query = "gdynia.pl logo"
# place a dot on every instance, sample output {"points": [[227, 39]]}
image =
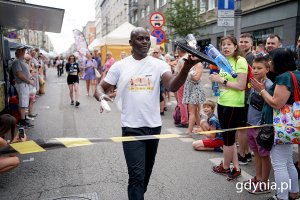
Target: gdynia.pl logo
{"points": [[250, 185]]}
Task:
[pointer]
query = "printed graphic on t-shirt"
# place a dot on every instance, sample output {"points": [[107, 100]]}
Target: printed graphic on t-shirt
{"points": [[141, 83]]}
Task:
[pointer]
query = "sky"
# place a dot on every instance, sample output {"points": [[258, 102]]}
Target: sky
{"points": [[77, 14]]}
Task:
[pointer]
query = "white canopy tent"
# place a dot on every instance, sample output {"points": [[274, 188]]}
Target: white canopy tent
{"points": [[118, 41], [121, 36], [94, 45]]}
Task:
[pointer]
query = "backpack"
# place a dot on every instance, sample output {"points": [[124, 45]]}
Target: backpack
{"points": [[177, 115]]}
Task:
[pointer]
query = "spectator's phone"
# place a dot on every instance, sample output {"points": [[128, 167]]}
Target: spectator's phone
{"points": [[21, 133]]}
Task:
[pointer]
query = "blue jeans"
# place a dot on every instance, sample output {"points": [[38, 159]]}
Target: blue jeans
{"points": [[140, 158]]}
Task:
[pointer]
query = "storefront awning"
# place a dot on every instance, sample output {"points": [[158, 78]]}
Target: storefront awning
{"points": [[28, 16]]}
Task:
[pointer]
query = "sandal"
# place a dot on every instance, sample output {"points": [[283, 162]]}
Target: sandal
{"points": [[259, 190], [252, 180]]}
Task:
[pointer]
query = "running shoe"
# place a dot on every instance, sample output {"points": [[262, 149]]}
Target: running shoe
{"points": [[219, 169], [234, 174], [26, 125], [249, 157], [32, 115], [242, 160]]}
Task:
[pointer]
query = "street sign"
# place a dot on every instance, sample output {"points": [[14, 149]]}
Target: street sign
{"points": [[225, 4], [160, 35], [225, 21], [225, 12], [12, 35], [157, 20]]}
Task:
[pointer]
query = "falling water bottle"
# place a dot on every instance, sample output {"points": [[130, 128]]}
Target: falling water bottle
{"points": [[219, 59]]}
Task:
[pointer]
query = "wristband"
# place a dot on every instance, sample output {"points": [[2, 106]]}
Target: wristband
{"points": [[225, 82], [260, 93]]}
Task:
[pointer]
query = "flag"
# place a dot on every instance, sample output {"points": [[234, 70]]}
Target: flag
{"points": [[80, 44]]}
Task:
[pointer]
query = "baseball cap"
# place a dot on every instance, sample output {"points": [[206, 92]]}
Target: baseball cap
{"points": [[20, 46]]}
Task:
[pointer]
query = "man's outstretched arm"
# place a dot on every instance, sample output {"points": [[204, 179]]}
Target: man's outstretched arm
{"points": [[173, 82]]}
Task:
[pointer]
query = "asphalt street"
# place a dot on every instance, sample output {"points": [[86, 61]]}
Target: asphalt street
{"points": [[99, 171]]}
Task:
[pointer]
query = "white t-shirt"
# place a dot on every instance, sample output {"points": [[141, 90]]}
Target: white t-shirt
{"points": [[140, 96]]}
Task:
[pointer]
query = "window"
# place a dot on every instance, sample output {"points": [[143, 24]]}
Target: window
{"points": [[156, 4], [143, 13], [202, 6], [148, 10], [135, 16], [211, 4], [164, 2], [194, 3]]}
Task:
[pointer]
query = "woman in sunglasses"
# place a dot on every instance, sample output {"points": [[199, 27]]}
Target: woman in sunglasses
{"points": [[72, 68]]}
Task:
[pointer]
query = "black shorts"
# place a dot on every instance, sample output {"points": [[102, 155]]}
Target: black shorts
{"points": [[71, 79], [230, 117]]}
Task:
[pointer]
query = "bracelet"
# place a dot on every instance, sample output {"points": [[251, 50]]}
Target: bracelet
{"points": [[225, 82], [260, 93]]}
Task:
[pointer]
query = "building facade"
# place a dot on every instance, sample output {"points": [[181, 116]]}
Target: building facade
{"points": [[259, 17], [98, 20], [113, 14], [89, 31]]}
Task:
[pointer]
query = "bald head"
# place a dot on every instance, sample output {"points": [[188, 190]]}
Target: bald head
{"points": [[136, 31], [140, 42]]}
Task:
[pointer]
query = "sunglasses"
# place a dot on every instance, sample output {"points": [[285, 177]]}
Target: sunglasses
{"points": [[176, 56], [262, 55], [155, 52]]}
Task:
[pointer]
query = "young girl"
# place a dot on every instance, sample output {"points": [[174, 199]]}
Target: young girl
{"points": [[260, 68], [193, 95], [7, 126], [231, 103]]}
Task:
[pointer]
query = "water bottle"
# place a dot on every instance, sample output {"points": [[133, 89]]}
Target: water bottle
{"points": [[219, 59], [215, 89], [192, 42]]}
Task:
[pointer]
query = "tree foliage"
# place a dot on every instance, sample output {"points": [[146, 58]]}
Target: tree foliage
{"points": [[182, 17]]}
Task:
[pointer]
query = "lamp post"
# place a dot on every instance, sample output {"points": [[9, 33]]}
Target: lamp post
{"points": [[237, 19]]}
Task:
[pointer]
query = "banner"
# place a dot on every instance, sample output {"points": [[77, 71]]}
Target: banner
{"points": [[81, 45]]}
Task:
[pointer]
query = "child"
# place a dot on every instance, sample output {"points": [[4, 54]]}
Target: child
{"points": [[213, 141], [260, 69], [32, 96], [7, 126]]}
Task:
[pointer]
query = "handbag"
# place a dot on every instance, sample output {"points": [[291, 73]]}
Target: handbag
{"points": [[265, 137], [98, 75], [256, 101], [286, 121]]}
